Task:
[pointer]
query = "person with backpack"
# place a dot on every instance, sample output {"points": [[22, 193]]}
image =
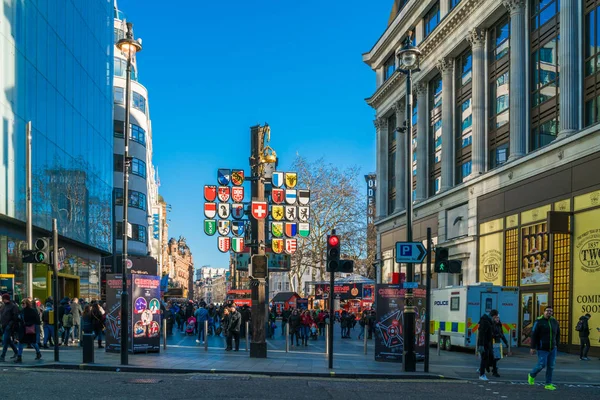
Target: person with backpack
{"points": [[67, 323], [583, 327]]}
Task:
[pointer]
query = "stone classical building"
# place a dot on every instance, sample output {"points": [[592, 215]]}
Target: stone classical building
{"points": [[180, 263], [505, 119]]}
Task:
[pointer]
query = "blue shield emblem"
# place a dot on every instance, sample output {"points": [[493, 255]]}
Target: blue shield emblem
{"points": [[237, 227], [290, 196], [224, 176], [277, 179]]}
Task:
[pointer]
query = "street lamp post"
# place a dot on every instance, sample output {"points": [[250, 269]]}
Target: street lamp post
{"points": [[409, 56], [129, 48]]}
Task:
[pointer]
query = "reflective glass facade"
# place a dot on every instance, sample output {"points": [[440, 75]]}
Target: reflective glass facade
{"points": [[56, 71]]}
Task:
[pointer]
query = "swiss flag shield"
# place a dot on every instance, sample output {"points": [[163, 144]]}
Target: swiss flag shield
{"points": [[259, 209], [210, 192]]}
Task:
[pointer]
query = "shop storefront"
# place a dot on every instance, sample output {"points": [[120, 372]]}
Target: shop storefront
{"points": [[561, 268]]}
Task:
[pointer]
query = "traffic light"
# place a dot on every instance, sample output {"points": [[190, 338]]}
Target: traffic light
{"points": [[346, 266], [42, 251], [454, 267], [333, 253], [441, 260]]}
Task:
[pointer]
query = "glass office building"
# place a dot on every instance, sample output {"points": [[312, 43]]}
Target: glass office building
{"points": [[56, 60]]}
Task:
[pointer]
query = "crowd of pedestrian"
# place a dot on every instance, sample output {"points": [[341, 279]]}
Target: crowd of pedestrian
{"points": [[33, 324]]}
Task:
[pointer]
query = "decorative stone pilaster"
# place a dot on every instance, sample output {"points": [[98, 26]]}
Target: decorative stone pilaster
{"points": [[568, 59], [446, 67], [518, 76], [400, 168], [381, 195], [477, 39], [420, 89]]}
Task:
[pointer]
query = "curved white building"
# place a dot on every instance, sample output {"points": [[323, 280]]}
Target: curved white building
{"points": [[143, 186]]}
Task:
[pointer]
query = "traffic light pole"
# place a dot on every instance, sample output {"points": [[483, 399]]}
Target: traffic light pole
{"points": [[29, 226], [331, 313], [258, 345], [409, 359], [55, 286], [428, 301]]}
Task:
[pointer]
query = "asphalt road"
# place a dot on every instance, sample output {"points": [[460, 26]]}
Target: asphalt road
{"points": [[37, 384]]}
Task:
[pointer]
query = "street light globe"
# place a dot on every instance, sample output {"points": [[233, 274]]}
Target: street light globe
{"points": [[128, 45], [409, 56]]}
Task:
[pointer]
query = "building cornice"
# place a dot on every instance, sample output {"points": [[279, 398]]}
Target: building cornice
{"points": [[455, 20]]}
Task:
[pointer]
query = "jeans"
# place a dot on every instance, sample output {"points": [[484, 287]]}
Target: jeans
{"points": [[362, 332], [75, 332], [34, 345], [304, 331], [7, 341], [546, 359], [585, 347], [283, 323], [48, 333], [66, 335], [201, 331]]}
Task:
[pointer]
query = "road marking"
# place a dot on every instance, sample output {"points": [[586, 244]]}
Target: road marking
{"points": [[496, 392]]}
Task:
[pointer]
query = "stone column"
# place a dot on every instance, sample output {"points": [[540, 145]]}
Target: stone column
{"points": [[568, 59], [477, 39], [446, 67], [518, 79], [420, 89], [382, 167], [400, 167]]}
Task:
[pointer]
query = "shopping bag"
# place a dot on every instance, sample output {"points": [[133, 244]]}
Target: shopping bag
{"points": [[498, 353]]}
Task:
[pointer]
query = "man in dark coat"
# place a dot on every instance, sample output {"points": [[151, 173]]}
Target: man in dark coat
{"points": [[233, 329], [9, 315], [485, 343], [545, 336], [584, 336]]}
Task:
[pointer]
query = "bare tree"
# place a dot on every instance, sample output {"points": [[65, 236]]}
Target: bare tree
{"points": [[336, 202]]}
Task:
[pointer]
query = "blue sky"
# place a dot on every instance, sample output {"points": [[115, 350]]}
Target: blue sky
{"points": [[213, 68]]}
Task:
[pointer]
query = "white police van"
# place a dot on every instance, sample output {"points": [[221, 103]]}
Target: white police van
{"points": [[456, 310]]}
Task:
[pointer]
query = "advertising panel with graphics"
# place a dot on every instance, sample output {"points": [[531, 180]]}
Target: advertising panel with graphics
{"points": [[586, 274], [535, 266], [389, 341], [7, 284], [112, 322], [145, 309], [491, 258], [342, 292]]}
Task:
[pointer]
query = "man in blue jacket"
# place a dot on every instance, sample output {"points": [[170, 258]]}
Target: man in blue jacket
{"points": [[545, 337], [201, 316]]}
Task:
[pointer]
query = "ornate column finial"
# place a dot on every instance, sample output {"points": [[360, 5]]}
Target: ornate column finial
{"points": [[419, 88], [514, 6], [477, 37], [445, 65]]}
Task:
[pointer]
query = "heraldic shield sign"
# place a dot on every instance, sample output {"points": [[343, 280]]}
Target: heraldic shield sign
{"points": [[224, 210], [277, 179], [290, 196], [277, 196], [237, 193], [224, 244], [237, 210], [290, 246], [304, 229], [210, 227], [224, 176], [237, 244], [224, 227], [277, 212], [303, 214], [291, 179], [291, 229], [237, 227], [237, 177], [277, 229], [277, 246], [290, 213], [303, 196], [210, 210], [210, 192], [223, 193], [259, 209]]}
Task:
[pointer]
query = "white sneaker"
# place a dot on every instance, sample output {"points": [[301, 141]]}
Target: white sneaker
{"points": [[197, 341], [483, 378]]}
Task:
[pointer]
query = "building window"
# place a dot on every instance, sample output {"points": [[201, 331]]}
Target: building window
{"points": [[415, 112], [287, 286], [278, 285], [118, 127], [119, 95], [435, 137], [389, 67], [136, 133], [121, 69], [544, 74], [499, 73], [138, 232], [136, 199], [119, 34], [432, 19], [464, 129], [118, 162], [591, 42], [138, 167], [139, 102], [392, 159]]}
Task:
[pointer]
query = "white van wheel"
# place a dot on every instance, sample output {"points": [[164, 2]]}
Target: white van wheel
{"points": [[448, 344]]}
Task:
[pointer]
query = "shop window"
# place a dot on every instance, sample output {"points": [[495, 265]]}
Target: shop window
{"points": [[535, 256], [499, 75], [512, 257], [561, 288]]}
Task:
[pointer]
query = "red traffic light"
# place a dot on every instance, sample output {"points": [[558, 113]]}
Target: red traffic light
{"points": [[334, 241]]}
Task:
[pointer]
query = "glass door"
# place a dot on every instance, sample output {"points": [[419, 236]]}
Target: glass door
{"points": [[532, 306]]}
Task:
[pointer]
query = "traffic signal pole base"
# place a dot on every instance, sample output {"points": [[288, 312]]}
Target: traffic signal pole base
{"points": [[258, 350]]}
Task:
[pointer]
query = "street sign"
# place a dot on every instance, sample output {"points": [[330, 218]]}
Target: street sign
{"points": [[129, 263], [258, 266], [410, 285], [410, 252]]}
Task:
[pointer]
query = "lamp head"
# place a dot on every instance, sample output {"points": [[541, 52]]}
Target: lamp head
{"points": [[409, 54], [128, 46]]}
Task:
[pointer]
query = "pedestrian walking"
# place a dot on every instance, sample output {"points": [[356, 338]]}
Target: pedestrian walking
{"points": [[9, 318], [98, 323], [285, 315], [76, 310], [545, 336], [485, 343], [201, 315], [295, 322], [498, 337], [306, 322], [48, 321], [583, 327], [235, 322], [28, 333], [67, 322]]}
